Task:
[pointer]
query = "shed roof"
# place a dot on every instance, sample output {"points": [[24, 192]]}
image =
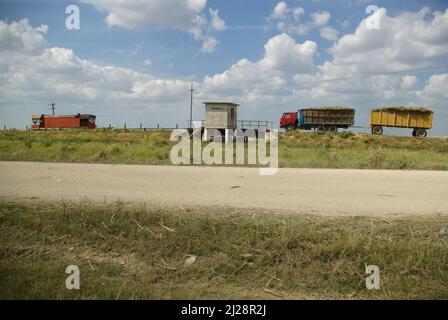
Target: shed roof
{"points": [[231, 103], [78, 115]]}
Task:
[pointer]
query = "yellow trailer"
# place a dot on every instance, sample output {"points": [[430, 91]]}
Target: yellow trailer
{"points": [[417, 118]]}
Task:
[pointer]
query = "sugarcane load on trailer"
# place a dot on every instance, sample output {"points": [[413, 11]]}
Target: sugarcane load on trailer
{"points": [[419, 119], [319, 118]]}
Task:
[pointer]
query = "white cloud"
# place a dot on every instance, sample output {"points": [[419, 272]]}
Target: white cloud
{"points": [[217, 22], [408, 82], [263, 81], [366, 68], [297, 12], [21, 36], [405, 42], [320, 18], [283, 12], [147, 62], [304, 78], [289, 20], [300, 29], [31, 70], [284, 54], [436, 87], [161, 13], [408, 40], [329, 33], [209, 44], [185, 15], [280, 11]]}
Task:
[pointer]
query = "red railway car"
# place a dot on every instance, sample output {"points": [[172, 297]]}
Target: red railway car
{"points": [[43, 121]]}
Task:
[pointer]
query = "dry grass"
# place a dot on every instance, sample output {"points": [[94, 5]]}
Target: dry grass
{"points": [[139, 252], [329, 108], [404, 109], [296, 149]]}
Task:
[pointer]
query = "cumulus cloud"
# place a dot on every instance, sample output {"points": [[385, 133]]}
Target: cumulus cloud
{"points": [[217, 23], [21, 36], [436, 87], [375, 67], [320, 18], [329, 33], [297, 12], [405, 42], [408, 82], [30, 69], [365, 68], [289, 20], [283, 12], [185, 15], [162, 13], [262, 82], [280, 11], [283, 56]]}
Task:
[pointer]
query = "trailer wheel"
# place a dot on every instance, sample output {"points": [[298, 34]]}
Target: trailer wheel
{"points": [[333, 129], [320, 128], [421, 133], [414, 133], [378, 130]]}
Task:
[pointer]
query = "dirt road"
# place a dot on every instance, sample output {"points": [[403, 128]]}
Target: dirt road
{"points": [[314, 191]]}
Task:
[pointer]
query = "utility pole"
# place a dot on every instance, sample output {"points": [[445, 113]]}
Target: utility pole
{"points": [[53, 105], [191, 106]]}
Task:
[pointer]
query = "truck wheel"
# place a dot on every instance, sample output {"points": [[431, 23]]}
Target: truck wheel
{"points": [[320, 128], [413, 133], [289, 128], [421, 133], [333, 129], [378, 130]]}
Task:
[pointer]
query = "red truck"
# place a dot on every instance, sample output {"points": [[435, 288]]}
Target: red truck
{"points": [[320, 118], [43, 121]]}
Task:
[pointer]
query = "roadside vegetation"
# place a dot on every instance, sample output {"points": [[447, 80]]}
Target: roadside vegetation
{"points": [[296, 149], [362, 151], [136, 251]]}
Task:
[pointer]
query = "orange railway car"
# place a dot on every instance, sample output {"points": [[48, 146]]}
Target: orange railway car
{"points": [[43, 121]]}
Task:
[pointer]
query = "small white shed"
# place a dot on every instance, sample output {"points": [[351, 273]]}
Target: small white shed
{"points": [[220, 115]]}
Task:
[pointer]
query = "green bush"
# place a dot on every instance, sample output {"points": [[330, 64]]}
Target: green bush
{"points": [[346, 134]]}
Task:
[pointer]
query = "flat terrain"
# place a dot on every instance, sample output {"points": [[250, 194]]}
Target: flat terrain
{"points": [[125, 251], [344, 150], [311, 191], [139, 228]]}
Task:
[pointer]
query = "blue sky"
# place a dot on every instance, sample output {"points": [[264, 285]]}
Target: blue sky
{"points": [[136, 66]]}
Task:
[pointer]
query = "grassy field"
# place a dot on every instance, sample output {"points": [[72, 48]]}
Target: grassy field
{"points": [[139, 252], [296, 149]]}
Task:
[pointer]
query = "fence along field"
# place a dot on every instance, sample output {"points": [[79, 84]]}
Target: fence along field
{"points": [[296, 149]]}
